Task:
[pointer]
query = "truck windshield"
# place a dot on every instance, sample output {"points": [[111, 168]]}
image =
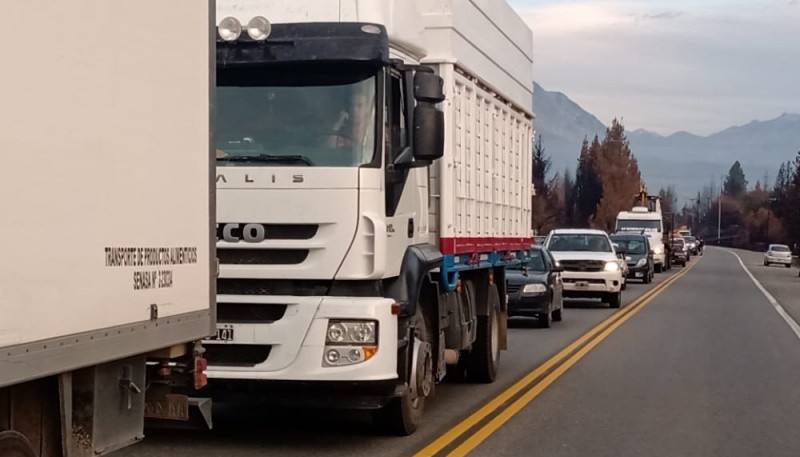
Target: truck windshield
{"points": [[646, 225], [307, 118]]}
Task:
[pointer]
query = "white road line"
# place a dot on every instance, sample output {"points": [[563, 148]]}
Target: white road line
{"points": [[792, 323]]}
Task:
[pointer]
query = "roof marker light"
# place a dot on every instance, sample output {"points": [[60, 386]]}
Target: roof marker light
{"points": [[230, 29], [259, 28]]}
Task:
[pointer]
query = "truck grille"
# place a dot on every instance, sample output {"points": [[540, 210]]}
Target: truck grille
{"points": [[583, 265], [261, 256], [249, 313], [236, 355]]}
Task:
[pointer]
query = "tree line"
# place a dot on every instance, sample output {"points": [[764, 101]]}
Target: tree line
{"points": [[746, 217]]}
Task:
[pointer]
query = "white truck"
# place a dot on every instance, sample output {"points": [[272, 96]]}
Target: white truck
{"points": [[647, 218], [108, 203], [373, 182]]}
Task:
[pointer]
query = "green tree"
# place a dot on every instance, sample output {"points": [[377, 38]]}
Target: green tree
{"points": [[588, 188], [735, 183]]}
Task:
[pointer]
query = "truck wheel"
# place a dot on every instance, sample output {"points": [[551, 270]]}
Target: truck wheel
{"points": [[614, 300], [557, 317], [659, 268], [484, 358], [402, 415], [788, 266], [14, 444]]}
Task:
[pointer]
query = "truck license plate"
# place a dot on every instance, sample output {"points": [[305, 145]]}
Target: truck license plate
{"points": [[582, 284], [223, 334]]}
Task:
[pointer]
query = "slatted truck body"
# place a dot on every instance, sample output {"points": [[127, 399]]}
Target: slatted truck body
{"points": [[107, 234], [373, 180]]}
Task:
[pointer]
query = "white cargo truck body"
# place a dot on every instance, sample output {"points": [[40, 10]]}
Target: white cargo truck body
{"points": [[358, 262], [107, 186]]}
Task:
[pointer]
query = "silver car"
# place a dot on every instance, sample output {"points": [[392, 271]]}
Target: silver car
{"points": [[778, 253]]}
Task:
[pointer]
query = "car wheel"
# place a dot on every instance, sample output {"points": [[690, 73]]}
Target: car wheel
{"points": [[545, 319], [557, 315], [788, 266], [624, 285], [614, 300], [648, 278], [766, 264], [658, 268]]}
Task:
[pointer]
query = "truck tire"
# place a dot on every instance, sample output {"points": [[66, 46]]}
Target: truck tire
{"points": [[659, 268], [614, 299], [484, 358], [788, 266], [557, 316], [14, 444], [402, 415]]}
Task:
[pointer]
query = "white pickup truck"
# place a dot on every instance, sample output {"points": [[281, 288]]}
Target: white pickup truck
{"points": [[591, 267]]}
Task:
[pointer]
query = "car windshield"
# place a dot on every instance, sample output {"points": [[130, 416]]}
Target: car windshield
{"points": [[690, 239], [678, 243], [563, 242], [638, 224], [632, 247], [536, 262], [779, 248], [323, 119]]}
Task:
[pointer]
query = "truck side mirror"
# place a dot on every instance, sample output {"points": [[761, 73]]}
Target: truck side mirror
{"points": [[428, 87], [428, 143]]}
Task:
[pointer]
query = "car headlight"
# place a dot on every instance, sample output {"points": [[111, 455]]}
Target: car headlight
{"points": [[534, 289], [611, 266], [641, 262]]}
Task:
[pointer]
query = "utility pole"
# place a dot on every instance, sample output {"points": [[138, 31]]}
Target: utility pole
{"points": [[719, 219]]}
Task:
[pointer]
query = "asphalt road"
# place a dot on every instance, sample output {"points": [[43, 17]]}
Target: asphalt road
{"points": [[707, 368]]}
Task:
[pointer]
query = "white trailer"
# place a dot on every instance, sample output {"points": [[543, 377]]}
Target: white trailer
{"points": [[373, 184], [108, 210]]}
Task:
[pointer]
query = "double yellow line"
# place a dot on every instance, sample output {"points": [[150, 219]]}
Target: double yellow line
{"points": [[536, 381]]}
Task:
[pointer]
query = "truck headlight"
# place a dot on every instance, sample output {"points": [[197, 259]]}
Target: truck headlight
{"points": [[534, 289], [658, 250], [352, 332], [641, 263], [611, 266], [349, 342]]}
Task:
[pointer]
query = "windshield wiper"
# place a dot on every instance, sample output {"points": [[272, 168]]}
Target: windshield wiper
{"points": [[266, 158]]}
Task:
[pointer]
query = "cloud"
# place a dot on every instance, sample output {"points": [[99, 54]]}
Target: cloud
{"points": [[666, 15], [669, 65]]}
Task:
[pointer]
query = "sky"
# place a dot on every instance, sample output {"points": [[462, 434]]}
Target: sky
{"points": [[670, 65]]}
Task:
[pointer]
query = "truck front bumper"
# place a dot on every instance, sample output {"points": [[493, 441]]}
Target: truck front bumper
{"points": [[306, 394], [293, 347]]}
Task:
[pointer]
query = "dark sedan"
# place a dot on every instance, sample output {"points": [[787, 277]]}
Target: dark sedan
{"points": [[638, 255], [535, 289]]}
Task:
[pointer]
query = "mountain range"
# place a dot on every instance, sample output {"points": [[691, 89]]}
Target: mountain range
{"points": [[682, 159]]}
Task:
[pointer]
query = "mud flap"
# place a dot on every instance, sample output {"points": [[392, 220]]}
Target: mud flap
{"points": [[503, 329]]}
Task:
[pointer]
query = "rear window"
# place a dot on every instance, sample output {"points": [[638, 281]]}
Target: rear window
{"points": [[779, 248]]}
